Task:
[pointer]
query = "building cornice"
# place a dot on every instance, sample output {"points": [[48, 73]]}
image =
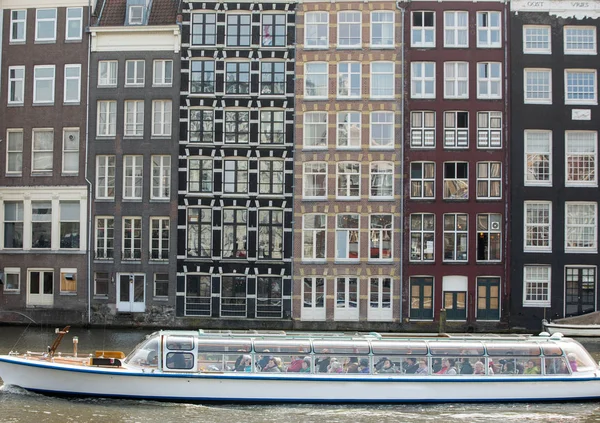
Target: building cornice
{"points": [[29, 4], [136, 38], [559, 8]]}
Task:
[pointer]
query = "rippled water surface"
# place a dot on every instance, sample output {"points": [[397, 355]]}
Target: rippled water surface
{"points": [[17, 405]]}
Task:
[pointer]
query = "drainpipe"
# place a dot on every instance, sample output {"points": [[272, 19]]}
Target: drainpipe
{"points": [[293, 187], [506, 159], [402, 220], [88, 182]]}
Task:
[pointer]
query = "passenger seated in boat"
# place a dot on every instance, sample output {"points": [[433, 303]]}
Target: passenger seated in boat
{"points": [[322, 363], [352, 365], [572, 361], [422, 370], [271, 366], [479, 368], [379, 364], [263, 360], [448, 367], [335, 367], [437, 365], [388, 367], [411, 365], [532, 368], [279, 364], [556, 366], [465, 367], [305, 365], [363, 366], [247, 362], [295, 365]]}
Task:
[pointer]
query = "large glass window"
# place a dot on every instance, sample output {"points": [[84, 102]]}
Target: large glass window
{"points": [[235, 232], [580, 39], [105, 177], [422, 80], [314, 236], [349, 80], [135, 72], [13, 224], [235, 176], [538, 157], [238, 30], [199, 232], [204, 29], [536, 39], [456, 29], [200, 175], [269, 297], [72, 88], [489, 237], [107, 73], [489, 180], [14, 151], [456, 235], [159, 238], [380, 237], [132, 238], [382, 29], [161, 118], [580, 86], [315, 129], [270, 234], [581, 154], [316, 33], [41, 224], [538, 226], [382, 80], [271, 176], [348, 180], [456, 129], [489, 80], [422, 129], [272, 78], [233, 296], [423, 29], [456, 181], [316, 80], [202, 77], [237, 127], [489, 129], [489, 29], [237, 77], [201, 125], [132, 177], [536, 286], [315, 180], [382, 130], [346, 298], [456, 80], [538, 86], [349, 29], [163, 73], [381, 180], [45, 25], [349, 129], [272, 127], [105, 234], [422, 180], [273, 33], [70, 227], [134, 118], [581, 226], [42, 150], [18, 24], [197, 295], [107, 118], [43, 84], [422, 237], [347, 237], [16, 84], [161, 178]]}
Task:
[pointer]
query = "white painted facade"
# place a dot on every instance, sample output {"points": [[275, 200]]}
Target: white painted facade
{"points": [[136, 38]]}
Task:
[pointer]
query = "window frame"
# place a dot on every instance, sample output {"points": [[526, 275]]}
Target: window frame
{"points": [[104, 237], [545, 228], [528, 88], [587, 101], [133, 177], [270, 234], [160, 71], [527, 286], [238, 39], [157, 239], [455, 82], [489, 29], [489, 80], [382, 229], [492, 226], [13, 84], [351, 123], [68, 78], [310, 171], [308, 22], [37, 80], [69, 224], [237, 79], [7, 287], [527, 151], [277, 40], [161, 279], [383, 171], [68, 277], [133, 19], [448, 181], [349, 236], [199, 220], [486, 135], [236, 126], [311, 122], [581, 228], [45, 152], [139, 76], [78, 19], [384, 122], [423, 233], [455, 232], [112, 73], [269, 171], [109, 128], [423, 180], [569, 169], [383, 24], [163, 117], [423, 31], [272, 126], [160, 185], [351, 26], [14, 226], [10, 150], [39, 20], [277, 71], [16, 21], [456, 137], [104, 165], [537, 50], [316, 233], [236, 177], [377, 76], [422, 80], [320, 91], [204, 166], [133, 119], [456, 29], [573, 51], [131, 235], [489, 180], [237, 224], [428, 132], [347, 72], [205, 25], [207, 79], [70, 151], [204, 134], [348, 180]]}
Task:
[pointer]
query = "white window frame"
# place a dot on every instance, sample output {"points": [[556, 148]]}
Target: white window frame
{"points": [[37, 79], [111, 68], [422, 234], [544, 225], [422, 135], [310, 19], [422, 30], [384, 122], [129, 253], [135, 65], [162, 116], [163, 224], [76, 19], [458, 234], [422, 80], [345, 308], [378, 17], [568, 28], [160, 77], [12, 271], [384, 171], [489, 129], [488, 30], [352, 123], [313, 171], [489, 80], [378, 75], [345, 174], [134, 119], [133, 19], [542, 282], [17, 21], [422, 179], [133, 183], [456, 30], [69, 80], [455, 136], [39, 20], [309, 119], [531, 155], [490, 225], [592, 101], [318, 90], [314, 233], [49, 151], [349, 24], [345, 237], [377, 234], [456, 80], [536, 92], [574, 151], [537, 50], [485, 177], [314, 308], [348, 90], [18, 152], [160, 185], [105, 168], [102, 229], [70, 152], [581, 225], [456, 181], [14, 83], [109, 128]]}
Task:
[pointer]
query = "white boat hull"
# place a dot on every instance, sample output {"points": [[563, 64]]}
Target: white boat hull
{"points": [[573, 330], [64, 379]]}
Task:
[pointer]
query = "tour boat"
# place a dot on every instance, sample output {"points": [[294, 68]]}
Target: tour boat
{"points": [[260, 367]]}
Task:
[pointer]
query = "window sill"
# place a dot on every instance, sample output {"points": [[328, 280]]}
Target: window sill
{"points": [[158, 261], [314, 198], [45, 104], [428, 262], [68, 294], [381, 198], [72, 103], [13, 175], [421, 46], [69, 175], [74, 41], [104, 200], [12, 292], [380, 261], [453, 262], [105, 137], [160, 200], [544, 251], [41, 174], [133, 137], [160, 299], [103, 260], [142, 85], [132, 200], [162, 85], [15, 104], [127, 261], [45, 41], [346, 261], [107, 86], [17, 42], [100, 297]]}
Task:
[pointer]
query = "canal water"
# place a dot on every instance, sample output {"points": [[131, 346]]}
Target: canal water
{"points": [[19, 406]]}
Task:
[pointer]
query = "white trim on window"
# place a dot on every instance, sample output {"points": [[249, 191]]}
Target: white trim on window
{"points": [[72, 83], [581, 227], [581, 158], [536, 285], [74, 23], [579, 39], [45, 17], [42, 76], [581, 86], [537, 86], [18, 26], [537, 226], [537, 39], [16, 85], [385, 22], [538, 157]]}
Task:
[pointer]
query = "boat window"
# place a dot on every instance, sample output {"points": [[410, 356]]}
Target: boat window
{"points": [[145, 355], [341, 347], [295, 346], [511, 365], [224, 345], [556, 366], [458, 365], [552, 350], [456, 348], [340, 364], [579, 359], [395, 364], [514, 349], [398, 348], [182, 343], [180, 361]]}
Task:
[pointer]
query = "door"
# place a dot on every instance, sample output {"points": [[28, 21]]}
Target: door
{"points": [[313, 295], [421, 298], [131, 293], [488, 299], [455, 303], [380, 298], [346, 307], [580, 288], [40, 289]]}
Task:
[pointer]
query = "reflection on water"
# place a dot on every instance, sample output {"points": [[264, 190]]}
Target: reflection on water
{"points": [[17, 405]]}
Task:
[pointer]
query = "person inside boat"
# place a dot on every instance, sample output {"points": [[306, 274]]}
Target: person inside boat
{"points": [[305, 365], [379, 364], [335, 366], [363, 366], [271, 366], [479, 368], [411, 365], [263, 360], [465, 367], [322, 363], [422, 370], [532, 368], [448, 367], [388, 367], [247, 362], [572, 361], [437, 365], [352, 365], [295, 365]]}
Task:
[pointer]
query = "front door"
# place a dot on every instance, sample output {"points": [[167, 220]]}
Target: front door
{"points": [[580, 295], [455, 303], [40, 289], [131, 293], [421, 298], [488, 299]]}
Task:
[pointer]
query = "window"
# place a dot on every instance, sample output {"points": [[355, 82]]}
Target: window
{"points": [[538, 158], [18, 25], [235, 231], [581, 231], [580, 86], [40, 287], [536, 286], [41, 224], [348, 180], [272, 78], [132, 238], [456, 80], [489, 237], [274, 33], [315, 129], [13, 224], [421, 298], [536, 39], [43, 84], [132, 177], [422, 80], [270, 234], [45, 25], [349, 29], [381, 180], [346, 298], [382, 80], [538, 86], [233, 296], [201, 125], [237, 127], [580, 39], [382, 130], [313, 298], [347, 237], [197, 295], [161, 178], [456, 129], [204, 29], [456, 181], [580, 289], [68, 281], [42, 153], [423, 29], [456, 29], [422, 180], [489, 129], [101, 281], [315, 180], [200, 175], [314, 236], [238, 30], [316, 33], [349, 80], [489, 80], [538, 226], [581, 156], [134, 72], [316, 80], [422, 237], [136, 15], [456, 234], [235, 176], [237, 78], [380, 237], [163, 73], [422, 129], [105, 177], [271, 176], [488, 29], [159, 238], [16, 84], [105, 238], [489, 180], [199, 232], [134, 118], [161, 284], [72, 90], [382, 29], [74, 23], [161, 118], [14, 151], [12, 281], [107, 118], [348, 130], [202, 80], [272, 126], [107, 73], [70, 228], [70, 153]]}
